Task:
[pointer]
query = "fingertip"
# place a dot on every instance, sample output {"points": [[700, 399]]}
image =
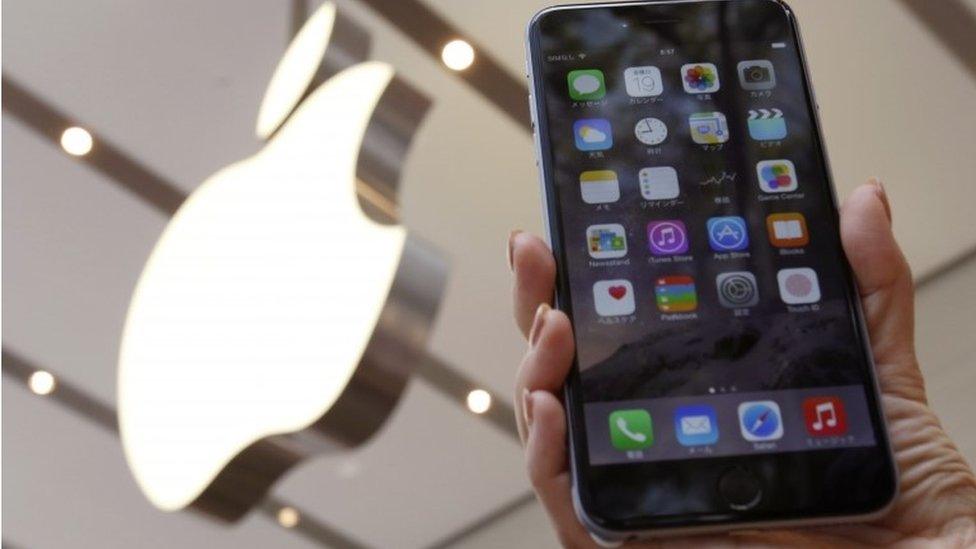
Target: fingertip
{"points": [[546, 446], [535, 275], [868, 240]]}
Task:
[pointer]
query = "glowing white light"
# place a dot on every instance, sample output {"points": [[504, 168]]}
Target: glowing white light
{"points": [[288, 517], [296, 70], [457, 55], [479, 401], [42, 383], [76, 141], [256, 305]]}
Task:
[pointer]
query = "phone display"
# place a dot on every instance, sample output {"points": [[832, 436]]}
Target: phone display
{"points": [[695, 228]]}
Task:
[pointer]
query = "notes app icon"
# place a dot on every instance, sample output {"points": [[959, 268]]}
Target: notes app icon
{"points": [[825, 416], [600, 187], [667, 238]]}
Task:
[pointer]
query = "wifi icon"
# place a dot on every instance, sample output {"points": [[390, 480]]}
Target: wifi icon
{"points": [[582, 56]]}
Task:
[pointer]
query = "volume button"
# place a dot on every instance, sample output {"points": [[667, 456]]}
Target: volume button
{"points": [[532, 113]]}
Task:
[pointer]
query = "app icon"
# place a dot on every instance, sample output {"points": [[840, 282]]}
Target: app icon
{"points": [[606, 241], [709, 128], [593, 134], [676, 294], [659, 183], [728, 234], [825, 416], [667, 237], [758, 74], [787, 230], [777, 176], [651, 131], [737, 290], [760, 421], [586, 85], [631, 430], [643, 81], [798, 286], [614, 298], [700, 78], [696, 425], [600, 187], [767, 125]]}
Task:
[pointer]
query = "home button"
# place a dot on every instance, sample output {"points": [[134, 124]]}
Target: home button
{"points": [[740, 488]]}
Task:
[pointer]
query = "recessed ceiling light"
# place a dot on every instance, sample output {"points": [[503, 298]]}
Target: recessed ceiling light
{"points": [[42, 383], [76, 141], [288, 517], [479, 401], [457, 55]]}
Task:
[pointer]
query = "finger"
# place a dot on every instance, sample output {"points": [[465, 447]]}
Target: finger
{"points": [[535, 276], [885, 283], [547, 361], [546, 464]]}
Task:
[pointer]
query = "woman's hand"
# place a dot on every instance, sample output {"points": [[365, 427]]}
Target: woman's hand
{"points": [[937, 498]]}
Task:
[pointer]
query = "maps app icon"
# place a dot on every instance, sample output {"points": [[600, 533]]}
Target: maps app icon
{"points": [[709, 128]]}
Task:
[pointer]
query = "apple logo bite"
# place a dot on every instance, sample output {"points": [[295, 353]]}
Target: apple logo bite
{"points": [[277, 317]]}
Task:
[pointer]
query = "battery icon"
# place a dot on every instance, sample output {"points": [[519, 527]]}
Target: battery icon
{"points": [[779, 45]]}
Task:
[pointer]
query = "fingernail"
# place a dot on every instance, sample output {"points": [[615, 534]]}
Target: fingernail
{"points": [[511, 247], [883, 196], [540, 320], [527, 408]]}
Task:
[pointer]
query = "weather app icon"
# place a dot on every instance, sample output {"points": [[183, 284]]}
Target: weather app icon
{"points": [[593, 134], [728, 234]]}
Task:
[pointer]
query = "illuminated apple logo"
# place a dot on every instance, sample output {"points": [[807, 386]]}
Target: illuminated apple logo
{"points": [[274, 318]]}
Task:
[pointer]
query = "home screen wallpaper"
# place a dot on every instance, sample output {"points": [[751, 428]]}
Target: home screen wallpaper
{"points": [[708, 288]]}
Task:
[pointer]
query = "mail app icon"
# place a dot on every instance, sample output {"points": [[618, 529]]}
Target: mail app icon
{"points": [[696, 425]]}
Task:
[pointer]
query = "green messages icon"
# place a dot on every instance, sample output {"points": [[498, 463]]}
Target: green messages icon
{"points": [[631, 430], [587, 85]]}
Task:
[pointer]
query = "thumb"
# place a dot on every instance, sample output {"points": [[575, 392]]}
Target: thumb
{"points": [[885, 284]]}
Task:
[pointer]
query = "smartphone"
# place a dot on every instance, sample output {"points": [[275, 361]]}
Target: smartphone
{"points": [[723, 376]]}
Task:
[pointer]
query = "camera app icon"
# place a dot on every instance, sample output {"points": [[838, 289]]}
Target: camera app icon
{"points": [[757, 74]]}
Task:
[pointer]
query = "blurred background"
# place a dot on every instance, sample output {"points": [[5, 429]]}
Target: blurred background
{"points": [[176, 85]]}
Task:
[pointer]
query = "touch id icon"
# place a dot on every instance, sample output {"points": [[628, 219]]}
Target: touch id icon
{"points": [[798, 286], [631, 430]]}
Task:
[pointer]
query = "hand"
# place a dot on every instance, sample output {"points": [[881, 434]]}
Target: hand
{"points": [[937, 501]]}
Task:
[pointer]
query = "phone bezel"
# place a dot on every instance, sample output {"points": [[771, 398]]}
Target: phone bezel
{"points": [[616, 530]]}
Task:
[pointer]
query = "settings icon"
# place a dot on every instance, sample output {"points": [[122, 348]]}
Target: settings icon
{"points": [[737, 290]]}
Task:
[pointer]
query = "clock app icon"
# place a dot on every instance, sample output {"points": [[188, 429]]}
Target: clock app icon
{"points": [[651, 131]]}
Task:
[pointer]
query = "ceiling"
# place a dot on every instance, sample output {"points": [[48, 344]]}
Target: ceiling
{"points": [[177, 85]]}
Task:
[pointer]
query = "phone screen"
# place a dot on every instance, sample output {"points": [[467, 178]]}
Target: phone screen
{"points": [[696, 230]]}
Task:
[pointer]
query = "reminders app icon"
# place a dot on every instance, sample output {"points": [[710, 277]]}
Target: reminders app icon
{"points": [[696, 425], [593, 134]]}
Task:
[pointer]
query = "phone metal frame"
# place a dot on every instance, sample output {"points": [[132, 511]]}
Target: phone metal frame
{"points": [[612, 538]]}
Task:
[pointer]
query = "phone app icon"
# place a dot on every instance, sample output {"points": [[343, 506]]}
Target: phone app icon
{"points": [[594, 134], [777, 176], [798, 286], [737, 290], [825, 416], [643, 81], [709, 128], [614, 298], [659, 183], [696, 425], [651, 131], [728, 234], [600, 187], [676, 294], [700, 78], [767, 124], [631, 430], [668, 237], [760, 421], [607, 241], [788, 230], [757, 74], [587, 85]]}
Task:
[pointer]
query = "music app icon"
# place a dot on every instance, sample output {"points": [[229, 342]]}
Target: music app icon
{"points": [[667, 237], [825, 416]]}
